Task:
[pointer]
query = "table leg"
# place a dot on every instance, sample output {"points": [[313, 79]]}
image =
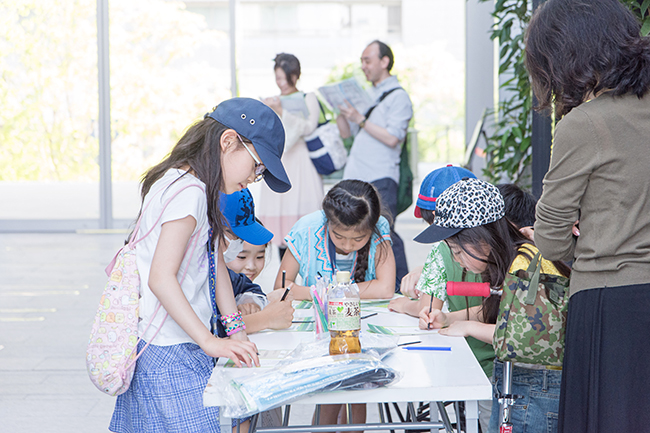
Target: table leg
{"points": [[225, 422], [471, 416], [287, 411]]}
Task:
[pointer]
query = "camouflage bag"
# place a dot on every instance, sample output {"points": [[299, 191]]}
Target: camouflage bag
{"points": [[531, 324]]}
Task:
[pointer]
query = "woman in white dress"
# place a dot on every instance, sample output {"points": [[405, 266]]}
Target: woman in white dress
{"points": [[279, 212]]}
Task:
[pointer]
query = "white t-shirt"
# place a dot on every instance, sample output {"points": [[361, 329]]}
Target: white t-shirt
{"points": [[191, 201]]}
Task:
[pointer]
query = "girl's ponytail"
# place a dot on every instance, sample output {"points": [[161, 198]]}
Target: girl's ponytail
{"points": [[354, 204]]}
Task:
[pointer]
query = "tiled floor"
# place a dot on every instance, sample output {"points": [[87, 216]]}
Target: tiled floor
{"points": [[49, 289]]}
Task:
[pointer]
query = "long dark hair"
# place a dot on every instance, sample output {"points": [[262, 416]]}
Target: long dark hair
{"points": [[504, 242], [354, 204], [578, 47], [200, 149]]}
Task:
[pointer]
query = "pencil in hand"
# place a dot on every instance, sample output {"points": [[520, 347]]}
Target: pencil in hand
{"points": [[286, 292], [430, 307]]}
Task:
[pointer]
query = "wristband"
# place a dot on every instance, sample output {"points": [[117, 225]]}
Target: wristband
{"points": [[230, 318], [240, 326]]}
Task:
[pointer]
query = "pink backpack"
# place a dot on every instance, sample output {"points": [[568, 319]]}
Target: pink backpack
{"points": [[111, 352]]}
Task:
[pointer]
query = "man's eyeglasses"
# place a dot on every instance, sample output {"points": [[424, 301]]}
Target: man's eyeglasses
{"points": [[259, 167]]}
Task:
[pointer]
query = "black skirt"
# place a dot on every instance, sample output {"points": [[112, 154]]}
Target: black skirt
{"points": [[606, 371]]}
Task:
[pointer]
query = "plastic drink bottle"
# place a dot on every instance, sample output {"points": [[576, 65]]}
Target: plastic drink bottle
{"points": [[344, 316]]}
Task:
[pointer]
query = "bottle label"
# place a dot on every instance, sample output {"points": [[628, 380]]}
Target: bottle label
{"points": [[343, 315]]}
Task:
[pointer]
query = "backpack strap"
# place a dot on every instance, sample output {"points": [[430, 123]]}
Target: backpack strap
{"points": [[132, 241], [381, 98], [193, 240]]}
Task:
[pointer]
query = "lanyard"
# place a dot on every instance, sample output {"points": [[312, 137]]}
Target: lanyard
{"points": [[213, 284]]}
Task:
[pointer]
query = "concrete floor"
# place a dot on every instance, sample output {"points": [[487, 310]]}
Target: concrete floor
{"points": [[50, 286]]}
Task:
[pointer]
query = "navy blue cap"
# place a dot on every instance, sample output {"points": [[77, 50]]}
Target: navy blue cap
{"points": [[435, 183], [239, 210], [258, 123]]}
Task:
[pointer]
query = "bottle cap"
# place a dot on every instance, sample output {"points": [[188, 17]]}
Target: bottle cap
{"points": [[342, 277]]}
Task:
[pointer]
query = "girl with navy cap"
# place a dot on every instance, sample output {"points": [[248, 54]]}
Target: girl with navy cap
{"points": [[240, 142]]}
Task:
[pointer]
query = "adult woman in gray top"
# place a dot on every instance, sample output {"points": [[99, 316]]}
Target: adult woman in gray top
{"points": [[588, 60]]}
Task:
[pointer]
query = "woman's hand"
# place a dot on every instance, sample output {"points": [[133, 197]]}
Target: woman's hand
{"points": [[238, 351], [434, 320], [575, 230], [275, 104]]}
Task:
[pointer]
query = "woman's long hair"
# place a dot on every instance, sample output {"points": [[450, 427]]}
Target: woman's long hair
{"points": [[575, 48], [504, 242], [354, 204], [200, 149]]}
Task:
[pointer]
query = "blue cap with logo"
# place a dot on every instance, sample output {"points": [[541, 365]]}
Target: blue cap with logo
{"points": [[435, 183], [239, 210], [258, 123]]}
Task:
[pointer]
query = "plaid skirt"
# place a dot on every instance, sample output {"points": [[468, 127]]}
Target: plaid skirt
{"points": [[166, 394]]}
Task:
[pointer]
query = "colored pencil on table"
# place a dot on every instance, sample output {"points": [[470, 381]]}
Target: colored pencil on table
{"points": [[437, 348]]}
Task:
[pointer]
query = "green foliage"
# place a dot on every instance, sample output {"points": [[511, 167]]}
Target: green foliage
{"points": [[509, 146], [640, 8]]}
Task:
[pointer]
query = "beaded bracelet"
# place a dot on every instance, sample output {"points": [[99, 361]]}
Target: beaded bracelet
{"points": [[240, 326], [234, 317]]}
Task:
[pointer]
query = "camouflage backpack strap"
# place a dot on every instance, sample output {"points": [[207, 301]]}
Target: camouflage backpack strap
{"points": [[534, 268]]}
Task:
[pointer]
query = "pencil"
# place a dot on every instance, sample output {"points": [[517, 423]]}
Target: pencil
{"points": [[438, 348], [286, 292], [430, 306], [410, 342], [369, 315]]}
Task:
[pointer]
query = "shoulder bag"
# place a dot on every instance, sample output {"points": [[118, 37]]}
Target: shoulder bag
{"points": [[531, 323]]}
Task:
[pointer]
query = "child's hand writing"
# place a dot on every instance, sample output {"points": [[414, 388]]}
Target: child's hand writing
{"points": [[434, 320], [279, 314], [276, 295]]}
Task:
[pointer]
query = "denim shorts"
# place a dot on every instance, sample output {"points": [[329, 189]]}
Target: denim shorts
{"points": [[538, 398]]}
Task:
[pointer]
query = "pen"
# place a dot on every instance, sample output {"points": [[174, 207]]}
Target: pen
{"points": [[286, 292], [438, 348], [430, 306], [369, 315], [410, 342]]}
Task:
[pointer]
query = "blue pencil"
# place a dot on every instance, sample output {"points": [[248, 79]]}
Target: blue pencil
{"points": [[440, 348]]}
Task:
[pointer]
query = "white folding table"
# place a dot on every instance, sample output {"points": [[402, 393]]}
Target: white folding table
{"points": [[426, 376]]}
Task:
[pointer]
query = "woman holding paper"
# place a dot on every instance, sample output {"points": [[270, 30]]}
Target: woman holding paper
{"points": [[300, 113]]}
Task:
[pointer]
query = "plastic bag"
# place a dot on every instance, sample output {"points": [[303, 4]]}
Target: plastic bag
{"points": [[246, 392], [377, 345]]}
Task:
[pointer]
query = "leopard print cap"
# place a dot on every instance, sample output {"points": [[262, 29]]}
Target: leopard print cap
{"points": [[469, 203]]}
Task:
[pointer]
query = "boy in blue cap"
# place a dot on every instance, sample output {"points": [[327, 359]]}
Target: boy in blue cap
{"points": [[432, 186], [238, 209]]}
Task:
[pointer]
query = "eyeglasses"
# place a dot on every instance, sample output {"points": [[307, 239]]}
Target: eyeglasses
{"points": [[259, 167]]}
